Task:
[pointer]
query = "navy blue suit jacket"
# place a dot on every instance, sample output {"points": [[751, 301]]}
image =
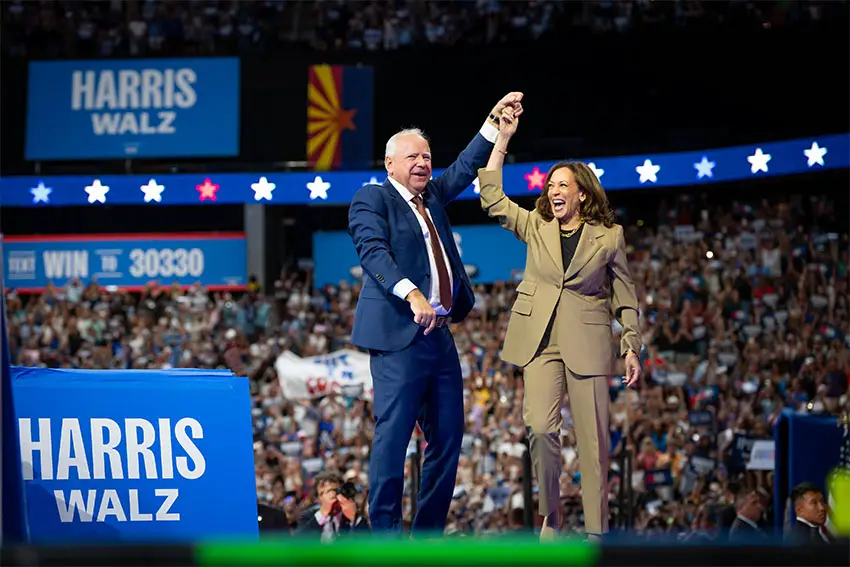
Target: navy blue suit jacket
{"points": [[389, 241]]}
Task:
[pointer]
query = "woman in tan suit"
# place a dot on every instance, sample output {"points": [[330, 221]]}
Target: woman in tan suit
{"points": [[576, 280]]}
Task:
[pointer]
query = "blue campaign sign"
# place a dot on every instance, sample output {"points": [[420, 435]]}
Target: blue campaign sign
{"points": [[135, 454], [805, 155], [134, 108], [656, 478], [127, 261], [336, 260]]}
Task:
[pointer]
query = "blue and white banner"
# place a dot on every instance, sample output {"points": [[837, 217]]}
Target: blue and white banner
{"points": [[755, 161], [127, 261], [134, 108], [111, 455], [739, 456], [344, 372], [336, 259]]}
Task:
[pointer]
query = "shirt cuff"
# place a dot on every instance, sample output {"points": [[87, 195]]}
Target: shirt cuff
{"points": [[489, 132], [403, 288]]}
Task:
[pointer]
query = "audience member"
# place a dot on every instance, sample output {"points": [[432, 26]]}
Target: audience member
{"points": [[736, 332], [133, 28]]}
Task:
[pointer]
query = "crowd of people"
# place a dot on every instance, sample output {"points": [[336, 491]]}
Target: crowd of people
{"points": [[142, 28], [744, 313]]}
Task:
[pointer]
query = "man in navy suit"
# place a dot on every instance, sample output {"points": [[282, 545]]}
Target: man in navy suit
{"points": [[414, 286]]}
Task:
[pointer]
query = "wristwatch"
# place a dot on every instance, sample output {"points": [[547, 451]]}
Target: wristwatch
{"points": [[494, 118]]}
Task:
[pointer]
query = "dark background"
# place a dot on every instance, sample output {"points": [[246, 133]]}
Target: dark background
{"points": [[586, 95], [648, 91]]}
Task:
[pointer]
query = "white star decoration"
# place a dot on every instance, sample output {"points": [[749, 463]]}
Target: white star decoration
{"points": [[152, 191], [41, 193], [704, 168], [372, 181], [648, 171], [263, 189], [758, 161], [815, 154], [318, 188], [596, 171], [476, 186], [97, 192]]}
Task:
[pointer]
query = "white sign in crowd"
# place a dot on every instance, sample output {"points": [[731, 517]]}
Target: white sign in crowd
{"points": [[344, 372]]}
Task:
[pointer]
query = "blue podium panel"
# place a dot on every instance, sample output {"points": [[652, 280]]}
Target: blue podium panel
{"points": [[135, 455], [798, 459]]}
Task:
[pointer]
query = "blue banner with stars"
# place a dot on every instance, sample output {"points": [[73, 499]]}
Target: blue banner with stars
{"points": [[337, 188]]}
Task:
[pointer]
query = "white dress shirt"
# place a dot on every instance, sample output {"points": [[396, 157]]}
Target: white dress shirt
{"points": [[405, 286], [330, 525]]}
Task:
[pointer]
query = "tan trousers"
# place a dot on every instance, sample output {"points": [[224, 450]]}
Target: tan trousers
{"points": [[547, 380]]}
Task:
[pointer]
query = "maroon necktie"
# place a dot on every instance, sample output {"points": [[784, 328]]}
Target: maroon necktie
{"points": [[442, 272]]}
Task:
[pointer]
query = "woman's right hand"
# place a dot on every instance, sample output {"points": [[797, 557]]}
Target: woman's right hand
{"points": [[509, 120]]}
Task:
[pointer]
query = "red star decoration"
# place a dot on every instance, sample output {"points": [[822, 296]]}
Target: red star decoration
{"points": [[207, 190], [535, 179]]}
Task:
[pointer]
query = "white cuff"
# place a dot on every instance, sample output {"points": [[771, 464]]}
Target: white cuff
{"points": [[403, 288], [489, 132]]}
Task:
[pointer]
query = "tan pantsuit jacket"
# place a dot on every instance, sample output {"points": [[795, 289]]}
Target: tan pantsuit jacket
{"points": [[560, 333], [595, 287]]}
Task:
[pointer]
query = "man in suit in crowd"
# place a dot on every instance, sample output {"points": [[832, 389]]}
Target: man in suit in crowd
{"points": [[810, 511], [414, 286], [745, 527]]}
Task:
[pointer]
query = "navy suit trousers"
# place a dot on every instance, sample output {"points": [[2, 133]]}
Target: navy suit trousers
{"points": [[423, 384]]}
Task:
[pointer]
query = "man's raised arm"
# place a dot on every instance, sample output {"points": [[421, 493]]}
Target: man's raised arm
{"points": [[460, 174]]}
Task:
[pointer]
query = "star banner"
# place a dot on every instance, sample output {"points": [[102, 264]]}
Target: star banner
{"points": [[620, 173]]}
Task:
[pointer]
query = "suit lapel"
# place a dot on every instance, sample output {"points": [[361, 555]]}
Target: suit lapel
{"points": [[587, 247], [551, 235], [406, 211]]}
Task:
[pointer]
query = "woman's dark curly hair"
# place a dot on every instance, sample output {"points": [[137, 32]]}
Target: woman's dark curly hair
{"points": [[594, 209]]}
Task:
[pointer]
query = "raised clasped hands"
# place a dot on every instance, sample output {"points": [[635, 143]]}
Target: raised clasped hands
{"points": [[507, 111], [508, 121], [512, 100]]}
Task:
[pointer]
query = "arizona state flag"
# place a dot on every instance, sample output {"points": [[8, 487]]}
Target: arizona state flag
{"points": [[339, 117]]}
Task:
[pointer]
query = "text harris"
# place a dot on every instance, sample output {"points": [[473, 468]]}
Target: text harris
{"points": [[106, 449], [133, 101]]}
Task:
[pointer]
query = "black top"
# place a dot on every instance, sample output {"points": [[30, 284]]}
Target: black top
{"points": [[569, 244]]}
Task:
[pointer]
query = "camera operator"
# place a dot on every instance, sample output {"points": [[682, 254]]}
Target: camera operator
{"points": [[338, 513]]}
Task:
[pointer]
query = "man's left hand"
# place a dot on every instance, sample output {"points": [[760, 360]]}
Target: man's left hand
{"points": [[513, 100], [632, 370]]}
